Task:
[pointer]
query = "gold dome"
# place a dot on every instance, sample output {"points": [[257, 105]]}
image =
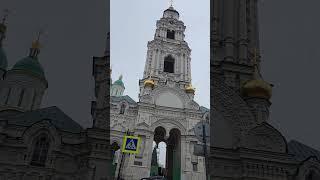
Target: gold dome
{"points": [[190, 89], [257, 88], [36, 44], [149, 82]]}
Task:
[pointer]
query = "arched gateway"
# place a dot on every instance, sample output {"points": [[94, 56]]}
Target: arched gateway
{"points": [[166, 112]]}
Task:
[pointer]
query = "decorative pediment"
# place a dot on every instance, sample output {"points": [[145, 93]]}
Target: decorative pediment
{"points": [[43, 126], [267, 138], [193, 105], [169, 97]]}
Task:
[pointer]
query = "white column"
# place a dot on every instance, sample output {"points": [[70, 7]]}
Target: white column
{"points": [[189, 63], [146, 67], [161, 61], [183, 150], [158, 61], [181, 66], [186, 68], [148, 152], [153, 61]]}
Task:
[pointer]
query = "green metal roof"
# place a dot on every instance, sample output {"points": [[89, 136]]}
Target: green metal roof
{"points": [[57, 118], [302, 151], [120, 98], [3, 59], [30, 64], [119, 82]]}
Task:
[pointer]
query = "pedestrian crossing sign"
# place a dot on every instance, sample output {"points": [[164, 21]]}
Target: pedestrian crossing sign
{"points": [[131, 144]]}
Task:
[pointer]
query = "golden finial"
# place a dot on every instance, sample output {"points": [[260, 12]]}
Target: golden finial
{"points": [[35, 49], [6, 13], [190, 89], [107, 47], [36, 43], [149, 82], [171, 3], [3, 27], [256, 72]]}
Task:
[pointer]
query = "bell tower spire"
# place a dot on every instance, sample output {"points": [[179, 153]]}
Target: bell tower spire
{"points": [[3, 27], [171, 3], [168, 61], [235, 41], [35, 48]]}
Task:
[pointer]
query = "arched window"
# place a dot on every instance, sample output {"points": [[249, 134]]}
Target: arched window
{"points": [[312, 175], [170, 34], [21, 97], [40, 151], [169, 64], [122, 108]]}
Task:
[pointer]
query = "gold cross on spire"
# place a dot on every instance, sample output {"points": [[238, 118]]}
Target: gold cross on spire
{"points": [[256, 72], [36, 43], [6, 13]]}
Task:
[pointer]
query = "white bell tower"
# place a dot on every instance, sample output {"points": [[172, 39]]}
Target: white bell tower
{"points": [[168, 61]]}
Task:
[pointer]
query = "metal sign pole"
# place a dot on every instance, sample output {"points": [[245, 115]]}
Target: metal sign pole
{"points": [[121, 162]]}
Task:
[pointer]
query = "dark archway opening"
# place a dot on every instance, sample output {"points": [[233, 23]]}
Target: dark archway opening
{"points": [[170, 151], [157, 164], [169, 64], [170, 34], [173, 158]]}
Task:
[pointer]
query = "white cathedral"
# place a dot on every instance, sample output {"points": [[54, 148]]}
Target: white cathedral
{"points": [[166, 110]]}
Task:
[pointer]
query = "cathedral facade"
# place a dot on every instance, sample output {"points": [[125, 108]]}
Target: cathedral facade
{"points": [[245, 145], [166, 110], [43, 142]]}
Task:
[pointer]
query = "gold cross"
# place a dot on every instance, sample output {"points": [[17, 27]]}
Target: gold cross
{"points": [[36, 43], [171, 2], [39, 34], [6, 13]]}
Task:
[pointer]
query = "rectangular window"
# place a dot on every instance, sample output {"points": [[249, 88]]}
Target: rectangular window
{"points": [[195, 167], [169, 64], [170, 34]]}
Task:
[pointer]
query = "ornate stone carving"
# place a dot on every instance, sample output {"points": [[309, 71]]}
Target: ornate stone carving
{"points": [[265, 137]]}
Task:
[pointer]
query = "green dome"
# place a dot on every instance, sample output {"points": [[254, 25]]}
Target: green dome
{"points": [[3, 59], [119, 82], [30, 64]]}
